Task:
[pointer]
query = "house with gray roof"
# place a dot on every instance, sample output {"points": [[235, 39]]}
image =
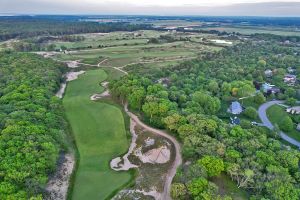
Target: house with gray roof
{"points": [[235, 108]]}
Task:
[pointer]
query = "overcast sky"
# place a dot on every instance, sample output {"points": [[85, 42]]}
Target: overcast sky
{"points": [[155, 7]]}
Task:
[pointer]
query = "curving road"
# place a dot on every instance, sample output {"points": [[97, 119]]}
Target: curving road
{"points": [[262, 112], [178, 159]]}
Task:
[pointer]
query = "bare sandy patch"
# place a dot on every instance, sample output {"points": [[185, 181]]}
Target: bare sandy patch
{"points": [[155, 156], [73, 75], [131, 194], [70, 76], [73, 63], [61, 91], [46, 54], [117, 164], [57, 187], [106, 93], [105, 84], [96, 97]]}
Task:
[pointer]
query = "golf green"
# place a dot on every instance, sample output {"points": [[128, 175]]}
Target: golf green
{"points": [[100, 135]]}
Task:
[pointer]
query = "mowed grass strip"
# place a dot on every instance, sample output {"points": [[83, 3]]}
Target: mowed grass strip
{"points": [[100, 135]]}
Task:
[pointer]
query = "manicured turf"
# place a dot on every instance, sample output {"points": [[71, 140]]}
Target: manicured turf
{"points": [[100, 135], [276, 114]]}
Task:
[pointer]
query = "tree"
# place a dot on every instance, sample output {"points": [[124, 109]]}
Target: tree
{"points": [[213, 86], [246, 91], [178, 191], [262, 63], [250, 112], [173, 122], [213, 165], [226, 88], [186, 130], [290, 92], [136, 97], [243, 177], [291, 101], [211, 105], [277, 189], [286, 124], [259, 98], [197, 186]]}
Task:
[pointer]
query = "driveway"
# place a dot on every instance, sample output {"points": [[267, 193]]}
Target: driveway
{"points": [[262, 112]]}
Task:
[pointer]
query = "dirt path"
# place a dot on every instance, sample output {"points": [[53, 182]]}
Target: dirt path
{"points": [[103, 61], [178, 159]]}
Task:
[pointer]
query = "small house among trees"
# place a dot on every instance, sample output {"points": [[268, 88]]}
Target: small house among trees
{"points": [[235, 108], [290, 79], [270, 89], [268, 73], [294, 110]]}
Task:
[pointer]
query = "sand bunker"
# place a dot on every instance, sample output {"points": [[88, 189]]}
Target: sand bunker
{"points": [[95, 97], [73, 75], [70, 76], [57, 187], [221, 41], [106, 93], [155, 156], [73, 63], [46, 54], [61, 90], [105, 84], [130, 194], [117, 164]]}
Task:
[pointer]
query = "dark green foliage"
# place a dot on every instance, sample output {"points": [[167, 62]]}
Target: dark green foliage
{"points": [[30, 27], [250, 112], [31, 125], [286, 124], [252, 156]]}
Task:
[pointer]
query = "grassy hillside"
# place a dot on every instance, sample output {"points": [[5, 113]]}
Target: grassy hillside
{"points": [[100, 135]]}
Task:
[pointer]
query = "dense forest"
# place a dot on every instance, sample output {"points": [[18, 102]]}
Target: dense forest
{"points": [[188, 100], [32, 125], [29, 27]]}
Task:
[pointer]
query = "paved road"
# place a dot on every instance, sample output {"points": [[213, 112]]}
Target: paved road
{"points": [[178, 159], [264, 118]]}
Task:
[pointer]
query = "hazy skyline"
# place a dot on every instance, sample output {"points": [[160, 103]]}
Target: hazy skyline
{"points": [[154, 7]]}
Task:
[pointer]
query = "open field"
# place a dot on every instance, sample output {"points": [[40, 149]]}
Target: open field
{"points": [[100, 135], [258, 29], [276, 113], [95, 40], [138, 56]]}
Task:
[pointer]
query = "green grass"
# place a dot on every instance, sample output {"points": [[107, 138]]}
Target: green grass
{"points": [[228, 187], [275, 114], [256, 29], [100, 135], [113, 74]]}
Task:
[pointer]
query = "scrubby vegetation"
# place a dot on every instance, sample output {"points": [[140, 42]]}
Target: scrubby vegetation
{"points": [[31, 124]]}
